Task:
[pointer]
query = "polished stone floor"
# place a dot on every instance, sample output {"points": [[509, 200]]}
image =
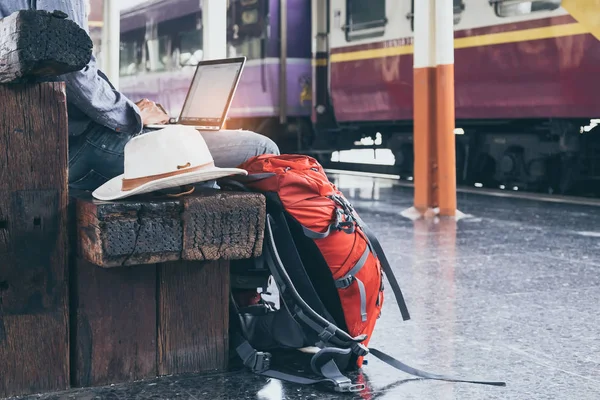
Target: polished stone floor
{"points": [[509, 293]]}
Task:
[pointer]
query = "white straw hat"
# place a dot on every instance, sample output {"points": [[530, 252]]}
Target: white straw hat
{"points": [[166, 158]]}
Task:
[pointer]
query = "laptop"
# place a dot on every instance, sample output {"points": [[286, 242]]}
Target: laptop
{"points": [[210, 94]]}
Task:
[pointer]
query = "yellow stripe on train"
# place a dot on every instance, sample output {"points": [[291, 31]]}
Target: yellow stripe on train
{"points": [[523, 35]]}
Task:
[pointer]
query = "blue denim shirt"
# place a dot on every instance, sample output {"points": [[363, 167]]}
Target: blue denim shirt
{"points": [[90, 96]]}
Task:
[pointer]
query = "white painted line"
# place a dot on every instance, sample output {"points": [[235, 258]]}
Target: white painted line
{"points": [[484, 192], [589, 234], [365, 174]]}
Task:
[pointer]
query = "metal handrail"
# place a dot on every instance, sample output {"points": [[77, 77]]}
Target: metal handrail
{"points": [[366, 25]]}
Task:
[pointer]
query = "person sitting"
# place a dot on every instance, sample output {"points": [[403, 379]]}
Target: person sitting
{"points": [[102, 120]]}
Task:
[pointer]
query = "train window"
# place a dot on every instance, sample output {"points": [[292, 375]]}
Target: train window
{"points": [[130, 58], [190, 47], [247, 28], [364, 19], [159, 54], [247, 19], [513, 8], [251, 48], [459, 7]]}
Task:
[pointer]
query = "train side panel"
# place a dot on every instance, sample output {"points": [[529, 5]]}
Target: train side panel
{"points": [[531, 66]]}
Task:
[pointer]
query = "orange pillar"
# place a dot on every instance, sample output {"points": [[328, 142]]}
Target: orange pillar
{"points": [[424, 98], [435, 158], [446, 155]]}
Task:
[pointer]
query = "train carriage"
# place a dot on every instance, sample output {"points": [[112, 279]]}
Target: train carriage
{"points": [[161, 42], [525, 80]]}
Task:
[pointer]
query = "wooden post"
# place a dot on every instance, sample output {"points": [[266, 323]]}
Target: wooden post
{"points": [[114, 332], [34, 334], [435, 172], [34, 316], [193, 316]]}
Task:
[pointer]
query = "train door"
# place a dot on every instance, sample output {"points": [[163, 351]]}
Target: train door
{"points": [[322, 110]]}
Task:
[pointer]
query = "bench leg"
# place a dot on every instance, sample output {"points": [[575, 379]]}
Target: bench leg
{"points": [[115, 333], [193, 313], [34, 319]]}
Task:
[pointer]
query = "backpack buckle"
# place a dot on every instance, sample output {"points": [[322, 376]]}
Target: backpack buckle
{"points": [[262, 362], [345, 387], [344, 282], [346, 226], [359, 349]]}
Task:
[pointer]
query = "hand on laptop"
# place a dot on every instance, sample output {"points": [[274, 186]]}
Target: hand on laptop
{"points": [[151, 112]]}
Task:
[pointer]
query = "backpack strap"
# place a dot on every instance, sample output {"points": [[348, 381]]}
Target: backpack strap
{"points": [[376, 249], [350, 277], [378, 252], [416, 372], [295, 266]]}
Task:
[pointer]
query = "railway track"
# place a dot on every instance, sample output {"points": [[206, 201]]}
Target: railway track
{"points": [[388, 172]]}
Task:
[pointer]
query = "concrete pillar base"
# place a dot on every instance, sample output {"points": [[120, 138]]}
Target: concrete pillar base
{"points": [[414, 214]]}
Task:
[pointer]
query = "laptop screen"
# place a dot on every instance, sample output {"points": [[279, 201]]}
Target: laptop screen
{"points": [[210, 95]]}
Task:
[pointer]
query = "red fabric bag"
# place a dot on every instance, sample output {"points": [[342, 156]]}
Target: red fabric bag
{"points": [[327, 217]]}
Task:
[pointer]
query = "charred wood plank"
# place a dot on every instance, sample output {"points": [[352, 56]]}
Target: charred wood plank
{"points": [[129, 232], [41, 44], [34, 331], [223, 225], [205, 226]]}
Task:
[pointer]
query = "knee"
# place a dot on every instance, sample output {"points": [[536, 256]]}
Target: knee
{"points": [[263, 144], [269, 146]]}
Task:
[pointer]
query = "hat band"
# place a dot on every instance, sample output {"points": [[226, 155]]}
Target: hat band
{"points": [[130, 184]]}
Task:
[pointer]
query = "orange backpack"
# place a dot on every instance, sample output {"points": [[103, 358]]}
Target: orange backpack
{"points": [[328, 268]]}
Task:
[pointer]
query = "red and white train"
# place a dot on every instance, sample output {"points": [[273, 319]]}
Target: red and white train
{"points": [[526, 81], [526, 86]]}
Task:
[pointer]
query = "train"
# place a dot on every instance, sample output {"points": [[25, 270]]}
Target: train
{"points": [[526, 94], [161, 42]]}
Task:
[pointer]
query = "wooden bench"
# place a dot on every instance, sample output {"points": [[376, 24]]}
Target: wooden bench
{"points": [[151, 284], [97, 292]]}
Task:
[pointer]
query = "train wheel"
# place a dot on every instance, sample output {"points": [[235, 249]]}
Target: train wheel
{"points": [[483, 170], [461, 154], [564, 173], [404, 159]]}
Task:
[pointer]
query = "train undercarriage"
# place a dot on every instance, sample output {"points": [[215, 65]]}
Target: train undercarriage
{"points": [[559, 156]]}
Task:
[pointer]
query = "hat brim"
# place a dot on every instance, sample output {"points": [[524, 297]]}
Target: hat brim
{"points": [[111, 190]]}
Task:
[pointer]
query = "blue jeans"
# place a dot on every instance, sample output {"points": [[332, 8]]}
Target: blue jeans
{"points": [[96, 155]]}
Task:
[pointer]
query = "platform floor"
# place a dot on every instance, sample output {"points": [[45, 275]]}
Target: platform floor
{"points": [[510, 293]]}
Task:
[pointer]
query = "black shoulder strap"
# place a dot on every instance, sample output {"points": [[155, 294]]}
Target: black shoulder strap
{"points": [[284, 245], [416, 372], [378, 252]]}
